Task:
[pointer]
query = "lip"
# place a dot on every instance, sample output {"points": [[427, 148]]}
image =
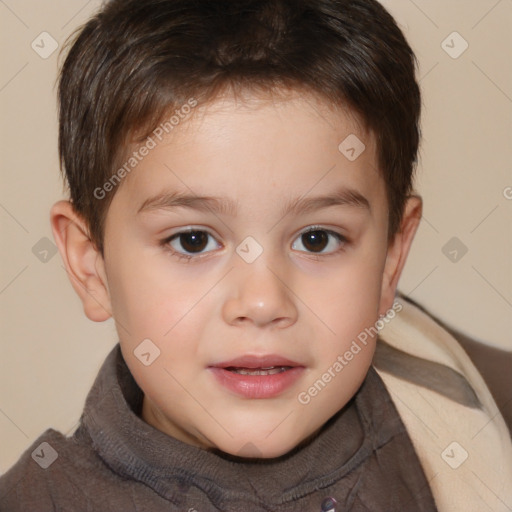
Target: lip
{"points": [[257, 386]]}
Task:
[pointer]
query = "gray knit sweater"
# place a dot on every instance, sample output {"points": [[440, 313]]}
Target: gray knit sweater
{"points": [[362, 460]]}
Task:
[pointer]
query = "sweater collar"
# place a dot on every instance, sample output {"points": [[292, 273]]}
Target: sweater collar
{"points": [[138, 451]]}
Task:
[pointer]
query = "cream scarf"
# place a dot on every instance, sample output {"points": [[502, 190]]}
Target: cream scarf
{"points": [[463, 444]]}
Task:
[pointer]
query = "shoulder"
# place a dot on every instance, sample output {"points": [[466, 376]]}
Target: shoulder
{"points": [[26, 485], [46, 469], [492, 363], [64, 471]]}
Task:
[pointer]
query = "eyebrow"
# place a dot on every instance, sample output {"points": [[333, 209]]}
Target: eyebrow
{"points": [[221, 205]]}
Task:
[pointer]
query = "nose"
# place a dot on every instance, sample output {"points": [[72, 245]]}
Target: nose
{"points": [[261, 294]]}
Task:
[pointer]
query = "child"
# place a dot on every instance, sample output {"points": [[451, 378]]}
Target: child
{"points": [[241, 204]]}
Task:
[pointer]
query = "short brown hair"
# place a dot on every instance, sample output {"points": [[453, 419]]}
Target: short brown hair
{"points": [[136, 60]]}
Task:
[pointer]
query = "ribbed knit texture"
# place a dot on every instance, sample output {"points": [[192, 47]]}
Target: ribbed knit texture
{"points": [[362, 457]]}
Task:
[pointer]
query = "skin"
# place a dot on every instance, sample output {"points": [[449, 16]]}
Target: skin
{"points": [[305, 305]]}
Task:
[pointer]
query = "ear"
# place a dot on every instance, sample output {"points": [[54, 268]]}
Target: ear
{"points": [[398, 250], [83, 262]]}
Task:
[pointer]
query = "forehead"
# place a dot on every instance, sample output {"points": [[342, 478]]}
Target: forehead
{"points": [[236, 146]]}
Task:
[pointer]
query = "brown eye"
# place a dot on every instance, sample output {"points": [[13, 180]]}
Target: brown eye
{"points": [[320, 241], [193, 241], [190, 242], [315, 241]]}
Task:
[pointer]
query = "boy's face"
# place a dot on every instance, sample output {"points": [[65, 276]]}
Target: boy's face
{"points": [[258, 291]]}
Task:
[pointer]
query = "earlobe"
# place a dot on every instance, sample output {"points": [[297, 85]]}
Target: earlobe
{"points": [[398, 250], [83, 263]]}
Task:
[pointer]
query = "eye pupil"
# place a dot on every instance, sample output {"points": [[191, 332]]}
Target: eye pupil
{"points": [[315, 240], [194, 241]]}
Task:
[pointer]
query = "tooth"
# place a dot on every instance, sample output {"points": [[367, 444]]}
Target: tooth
{"points": [[260, 371]]}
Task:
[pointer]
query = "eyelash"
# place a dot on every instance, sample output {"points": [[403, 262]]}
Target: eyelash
{"points": [[317, 256]]}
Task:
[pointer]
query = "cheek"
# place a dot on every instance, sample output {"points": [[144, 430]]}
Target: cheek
{"points": [[349, 299], [348, 307], [149, 301]]}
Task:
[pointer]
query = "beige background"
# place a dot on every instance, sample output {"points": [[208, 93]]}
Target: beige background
{"points": [[50, 352]]}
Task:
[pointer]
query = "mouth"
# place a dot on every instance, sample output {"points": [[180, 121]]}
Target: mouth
{"points": [[273, 370], [257, 377]]}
